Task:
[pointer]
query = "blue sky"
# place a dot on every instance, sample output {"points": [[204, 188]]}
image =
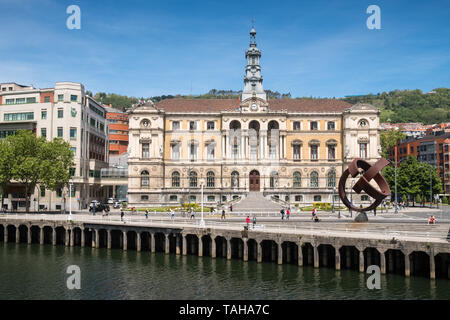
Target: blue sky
{"points": [[145, 48]]}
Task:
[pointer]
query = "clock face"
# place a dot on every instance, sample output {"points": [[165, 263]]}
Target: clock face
{"points": [[254, 107]]}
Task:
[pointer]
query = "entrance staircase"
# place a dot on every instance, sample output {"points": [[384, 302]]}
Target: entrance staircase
{"points": [[255, 202]]}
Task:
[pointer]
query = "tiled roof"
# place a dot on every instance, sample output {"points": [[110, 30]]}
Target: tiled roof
{"points": [[217, 105]]}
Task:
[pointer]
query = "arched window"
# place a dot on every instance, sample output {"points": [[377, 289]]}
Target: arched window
{"points": [[235, 179], [210, 179], [297, 182], [145, 178], [274, 179], [331, 179], [193, 179], [314, 179], [175, 179]]}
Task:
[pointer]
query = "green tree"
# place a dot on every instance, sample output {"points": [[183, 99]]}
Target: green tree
{"points": [[5, 166], [388, 139], [418, 199], [36, 161], [444, 200]]}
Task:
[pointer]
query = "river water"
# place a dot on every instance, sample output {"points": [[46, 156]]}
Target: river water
{"points": [[39, 272]]}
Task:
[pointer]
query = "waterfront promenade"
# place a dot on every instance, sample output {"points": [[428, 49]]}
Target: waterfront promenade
{"points": [[413, 248]]}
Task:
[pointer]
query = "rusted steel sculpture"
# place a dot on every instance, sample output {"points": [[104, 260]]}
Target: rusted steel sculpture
{"points": [[363, 184]]}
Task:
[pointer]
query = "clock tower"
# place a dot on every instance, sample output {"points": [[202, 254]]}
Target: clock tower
{"points": [[253, 79]]}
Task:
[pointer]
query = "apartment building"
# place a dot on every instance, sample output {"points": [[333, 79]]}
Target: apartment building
{"points": [[64, 111], [118, 131]]}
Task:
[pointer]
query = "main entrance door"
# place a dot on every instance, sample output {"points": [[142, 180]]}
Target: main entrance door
{"points": [[254, 180]]}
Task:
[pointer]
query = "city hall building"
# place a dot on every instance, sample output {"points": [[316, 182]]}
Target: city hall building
{"points": [[291, 149]]}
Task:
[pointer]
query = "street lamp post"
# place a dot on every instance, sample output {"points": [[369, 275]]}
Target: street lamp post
{"points": [[202, 221], [70, 199]]}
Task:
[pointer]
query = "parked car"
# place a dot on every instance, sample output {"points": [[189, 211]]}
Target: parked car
{"points": [[117, 205], [97, 207], [111, 200]]}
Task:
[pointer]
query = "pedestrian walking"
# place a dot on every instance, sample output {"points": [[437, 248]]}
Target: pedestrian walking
{"points": [[192, 214], [248, 221], [282, 214], [121, 215], [313, 213], [172, 214], [3, 210], [231, 208], [223, 214], [254, 221], [146, 213], [288, 213]]}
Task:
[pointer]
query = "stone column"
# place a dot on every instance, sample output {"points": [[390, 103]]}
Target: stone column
{"points": [[72, 238], [29, 235], [337, 259], [54, 236], [316, 256], [17, 234], [41, 236], [432, 265], [167, 243], [67, 238], [228, 249], [152, 236], [5, 233], [407, 264], [109, 240], [183, 237], [125, 241], [83, 238], [361, 260], [259, 251], [280, 253], [138, 241], [300, 254], [245, 240], [178, 248], [200, 246], [382, 261], [213, 247]]}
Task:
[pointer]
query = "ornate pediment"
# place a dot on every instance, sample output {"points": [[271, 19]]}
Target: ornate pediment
{"points": [[254, 105]]}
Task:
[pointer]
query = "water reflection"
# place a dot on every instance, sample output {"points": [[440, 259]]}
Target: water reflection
{"points": [[39, 272]]}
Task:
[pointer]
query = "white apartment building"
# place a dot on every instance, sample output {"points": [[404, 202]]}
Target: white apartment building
{"points": [[63, 111]]}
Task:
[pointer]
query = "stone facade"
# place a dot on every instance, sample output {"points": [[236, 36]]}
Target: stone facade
{"points": [[294, 149]]}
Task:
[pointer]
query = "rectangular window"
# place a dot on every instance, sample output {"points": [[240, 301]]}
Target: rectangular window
{"points": [[60, 113], [20, 100], [60, 97], [314, 155], [175, 125], [211, 198], [298, 198], [210, 125], [331, 152], [296, 152], [73, 98], [193, 151], [42, 192], [44, 132], [73, 133], [72, 172], [176, 152], [47, 99], [18, 116], [192, 125], [296, 125], [363, 150], [210, 152], [173, 198], [92, 122], [317, 198], [60, 132], [193, 198], [9, 101], [146, 150], [330, 125], [44, 114], [59, 193], [314, 125], [31, 100]]}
